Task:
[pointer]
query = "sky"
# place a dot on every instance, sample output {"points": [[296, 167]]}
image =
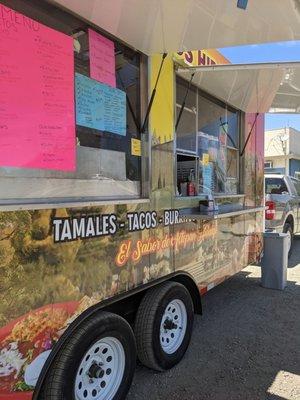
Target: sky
{"points": [[270, 52]]}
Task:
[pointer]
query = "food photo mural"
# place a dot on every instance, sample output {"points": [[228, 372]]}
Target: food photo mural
{"points": [[57, 263]]}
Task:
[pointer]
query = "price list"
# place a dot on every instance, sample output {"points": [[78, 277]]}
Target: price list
{"points": [[102, 58], [100, 106], [37, 119]]}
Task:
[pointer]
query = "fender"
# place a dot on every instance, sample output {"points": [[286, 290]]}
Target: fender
{"points": [[290, 215]]}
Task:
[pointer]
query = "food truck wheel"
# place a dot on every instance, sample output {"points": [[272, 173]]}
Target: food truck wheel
{"points": [[97, 362], [163, 325]]}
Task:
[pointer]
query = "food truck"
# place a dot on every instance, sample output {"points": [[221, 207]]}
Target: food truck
{"points": [[131, 178]]}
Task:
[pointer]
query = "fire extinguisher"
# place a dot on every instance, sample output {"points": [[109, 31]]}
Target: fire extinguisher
{"points": [[190, 189]]}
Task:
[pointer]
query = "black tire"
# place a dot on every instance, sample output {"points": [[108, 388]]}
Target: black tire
{"points": [[147, 325], [60, 380], [287, 228]]}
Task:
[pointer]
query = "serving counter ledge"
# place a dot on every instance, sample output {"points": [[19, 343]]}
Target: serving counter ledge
{"points": [[194, 214]]}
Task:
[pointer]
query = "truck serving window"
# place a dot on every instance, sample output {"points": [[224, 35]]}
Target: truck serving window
{"points": [[207, 144], [107, 90], [275, 186]]}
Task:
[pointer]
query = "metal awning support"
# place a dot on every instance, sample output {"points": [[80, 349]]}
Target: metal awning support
{"points": [[184, 101], [153, 93], [240, 67], [134, 117], [249, 135]]}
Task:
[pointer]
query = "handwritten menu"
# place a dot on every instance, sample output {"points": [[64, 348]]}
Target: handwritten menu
{"points": [[99, 106], [102, 58], [37, 124]]}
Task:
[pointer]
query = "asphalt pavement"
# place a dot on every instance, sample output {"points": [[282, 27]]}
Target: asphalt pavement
{"points": [[246, 345]]}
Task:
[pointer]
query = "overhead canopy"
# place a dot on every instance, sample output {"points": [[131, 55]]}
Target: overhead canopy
{"points": [[253, 88], [156, 26], [287, 99]]}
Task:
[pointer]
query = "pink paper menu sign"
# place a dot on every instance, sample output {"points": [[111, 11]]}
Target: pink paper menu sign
{"points": [[37, 118], [102, 58]]}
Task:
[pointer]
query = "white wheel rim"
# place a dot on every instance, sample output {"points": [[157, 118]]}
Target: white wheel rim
{"points": [[100, 371], [173, 326]]}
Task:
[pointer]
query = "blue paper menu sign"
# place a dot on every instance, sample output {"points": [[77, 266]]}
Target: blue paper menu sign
{"points": [[99, 106], [207, 178]]}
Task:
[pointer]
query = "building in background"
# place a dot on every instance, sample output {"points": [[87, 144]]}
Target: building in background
{"points": [[282, 151]]}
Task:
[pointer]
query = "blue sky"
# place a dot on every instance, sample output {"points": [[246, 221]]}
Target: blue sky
{"points": [[280, 51], [274, 121]]}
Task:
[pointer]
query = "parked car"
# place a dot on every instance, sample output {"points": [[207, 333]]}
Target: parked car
{"points": [[282, 201]]}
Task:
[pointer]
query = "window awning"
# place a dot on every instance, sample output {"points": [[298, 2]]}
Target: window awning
{"points": [[287, 99], [157, 26], [257, 88]]}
